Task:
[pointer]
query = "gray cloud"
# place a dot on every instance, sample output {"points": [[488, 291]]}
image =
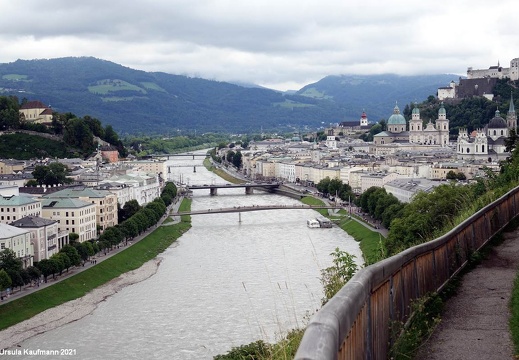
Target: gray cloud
{"points": [[275, 43]]}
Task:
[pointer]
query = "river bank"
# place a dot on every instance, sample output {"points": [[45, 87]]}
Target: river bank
{"points": [[76, 309], [75, 297]]}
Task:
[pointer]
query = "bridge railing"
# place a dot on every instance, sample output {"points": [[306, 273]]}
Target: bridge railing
{"points": [[355, 323]]}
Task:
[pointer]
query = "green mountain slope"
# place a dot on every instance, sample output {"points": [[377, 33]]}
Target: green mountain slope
{"points": [[376, 94], [135, 101]]}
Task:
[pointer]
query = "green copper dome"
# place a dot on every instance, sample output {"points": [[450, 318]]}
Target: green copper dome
{"points": [[416, 111], [396, 118], [442, 110]]}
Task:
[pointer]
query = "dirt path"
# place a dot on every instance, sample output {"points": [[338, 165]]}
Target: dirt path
{"points": [[474, 324]]}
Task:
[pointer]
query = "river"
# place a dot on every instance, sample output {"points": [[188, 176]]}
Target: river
{"points": [[224, 283]]}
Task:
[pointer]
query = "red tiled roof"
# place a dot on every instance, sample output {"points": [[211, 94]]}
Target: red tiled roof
{"points": [[34, 105]]}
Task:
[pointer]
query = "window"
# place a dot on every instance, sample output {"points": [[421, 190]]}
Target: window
{"points": [[2, 246]]}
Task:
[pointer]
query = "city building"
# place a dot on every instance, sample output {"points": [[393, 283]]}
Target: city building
{"points": [[104, 201], [73, 216], [45, 237], [404, 189], [15, 207], [18, 240], [145, 187]]}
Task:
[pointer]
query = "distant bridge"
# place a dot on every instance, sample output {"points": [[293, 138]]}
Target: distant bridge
{"points": [[180, 155], [239, 209], [248, 187], [183, 166]]}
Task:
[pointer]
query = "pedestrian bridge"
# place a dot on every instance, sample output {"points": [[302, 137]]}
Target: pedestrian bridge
{"points": [[238, 209]]}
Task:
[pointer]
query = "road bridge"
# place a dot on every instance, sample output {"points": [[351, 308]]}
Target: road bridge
{"points": [[183, 166], [169, 156], [248, 187]]}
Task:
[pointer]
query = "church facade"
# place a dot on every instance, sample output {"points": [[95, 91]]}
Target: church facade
{"points": [[398, 131], [487, 143]]}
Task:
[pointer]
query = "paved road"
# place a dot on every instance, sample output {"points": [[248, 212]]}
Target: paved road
{"points": [[474, 324], [99, 258]]}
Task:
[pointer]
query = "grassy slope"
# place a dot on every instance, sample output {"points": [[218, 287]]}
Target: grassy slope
{"points": [[80, 284]]}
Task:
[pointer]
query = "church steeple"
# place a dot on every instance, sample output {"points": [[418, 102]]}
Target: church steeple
{"points": [[511, 117]]}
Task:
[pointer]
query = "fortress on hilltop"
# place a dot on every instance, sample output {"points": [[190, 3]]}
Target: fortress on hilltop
{"points": [[479, 82]]}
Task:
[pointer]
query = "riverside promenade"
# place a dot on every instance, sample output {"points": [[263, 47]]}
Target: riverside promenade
{"points": [[173, 208]]}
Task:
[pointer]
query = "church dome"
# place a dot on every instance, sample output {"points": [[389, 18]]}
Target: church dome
{"points": [[416, 111], [442, 110], [396, 118], [497, 122]]}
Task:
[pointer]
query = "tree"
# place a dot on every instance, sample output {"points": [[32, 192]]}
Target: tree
{"points": [[237, 160], [34, 273], [9, 260], [451, 175], [336, 276], [229, 156], [73, 238], [5, 281], [53, 174], [9, 113], [129, 209], [77, 133], [46, 267], [64, 261]]}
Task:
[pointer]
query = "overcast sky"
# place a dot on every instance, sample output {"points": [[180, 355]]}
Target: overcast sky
{"points": [[280, 44]]}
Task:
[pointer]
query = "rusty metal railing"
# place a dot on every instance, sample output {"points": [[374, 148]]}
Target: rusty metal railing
{"points": [[354, 324]]}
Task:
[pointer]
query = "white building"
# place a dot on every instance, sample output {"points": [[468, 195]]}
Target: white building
{"points": [[405, 189], [14, 207], [45, 237], [368, 180], [73, 216], [145, 187], [105, 202], [18, 240], [489, 142]]}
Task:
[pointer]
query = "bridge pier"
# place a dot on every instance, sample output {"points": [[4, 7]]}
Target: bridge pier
{"points": [[249, 190], [213, 191]]}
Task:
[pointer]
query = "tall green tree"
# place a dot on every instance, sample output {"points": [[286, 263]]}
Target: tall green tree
{"points": [[53, 174], [9, 113], [5, 281]]}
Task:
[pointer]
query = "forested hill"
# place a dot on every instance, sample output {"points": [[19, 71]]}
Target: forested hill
{"points": [[134, 101]]}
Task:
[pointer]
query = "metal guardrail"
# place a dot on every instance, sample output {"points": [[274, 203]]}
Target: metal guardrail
{"points": [[355, 323]]}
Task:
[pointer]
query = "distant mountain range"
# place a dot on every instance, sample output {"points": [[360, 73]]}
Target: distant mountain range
{"points": [[135, 101]]}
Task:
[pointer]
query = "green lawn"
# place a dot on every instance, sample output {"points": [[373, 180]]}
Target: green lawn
{"points": [[80, 284], [224, 175], [371, 242], [106, 86]]}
